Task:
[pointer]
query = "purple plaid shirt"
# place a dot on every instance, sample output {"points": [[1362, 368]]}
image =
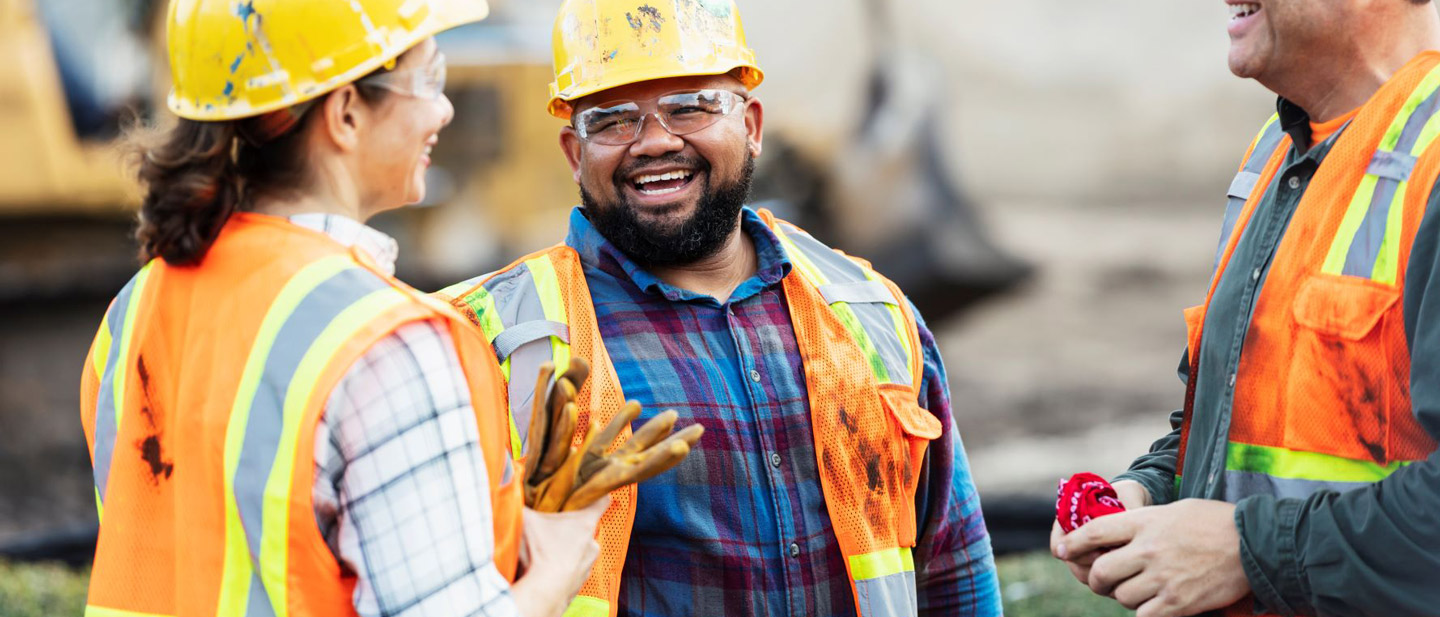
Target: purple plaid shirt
{"points": [[741, 526]]}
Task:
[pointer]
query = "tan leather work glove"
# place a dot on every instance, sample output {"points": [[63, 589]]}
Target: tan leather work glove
{"points": [[560, 477]]}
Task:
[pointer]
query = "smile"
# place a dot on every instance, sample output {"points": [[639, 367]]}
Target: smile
{"points": [[1241, 11], [662, 184]]}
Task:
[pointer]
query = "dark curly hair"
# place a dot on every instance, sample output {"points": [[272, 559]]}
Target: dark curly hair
{"points": [[197, 174]]}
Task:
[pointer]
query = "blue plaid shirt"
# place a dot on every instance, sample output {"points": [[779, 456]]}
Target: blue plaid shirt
{"points": [[741, 526]]}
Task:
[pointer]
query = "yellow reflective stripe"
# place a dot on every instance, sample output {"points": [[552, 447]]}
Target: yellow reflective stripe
{"points": [[902, 331], [547, 285], [99, 505], [96, 611], [235, 579], [454, 291], [1387, 261], [1421, 92], [842, 310], [587, 606], [1255, 143], [807, 269], [482, 302], [1354, 216], [275, 538], [881, 563], [1298, 465], [126, 335], [101, 357]]}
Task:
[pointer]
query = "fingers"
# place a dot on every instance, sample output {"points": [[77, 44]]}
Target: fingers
{"points": [[651, 433], [617, 425], [561, 436], [1103, 532], [1136, 591], [539, 422], [577, 372], [1113, 569], [623, 469], [563, 482]]}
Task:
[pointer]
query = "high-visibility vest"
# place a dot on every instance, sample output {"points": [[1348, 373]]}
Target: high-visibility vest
{"points": [[200, 399], [1322, 393], [861, 351]]}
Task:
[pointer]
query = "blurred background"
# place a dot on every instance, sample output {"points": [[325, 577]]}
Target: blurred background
{"points": [[1044, 178]]}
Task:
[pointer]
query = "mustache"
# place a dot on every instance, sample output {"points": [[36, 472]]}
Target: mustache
{"points": [[624, 172]]}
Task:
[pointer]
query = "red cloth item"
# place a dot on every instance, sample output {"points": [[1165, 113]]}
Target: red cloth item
{"points": [[1083, 498]]}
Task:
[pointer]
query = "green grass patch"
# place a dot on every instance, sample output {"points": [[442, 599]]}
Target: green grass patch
{"points": [[41, 590], [1038, 585]]}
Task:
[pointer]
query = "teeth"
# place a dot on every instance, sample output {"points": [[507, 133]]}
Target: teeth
{"points": [[659, 192], [673, 175], [1243, 10]]}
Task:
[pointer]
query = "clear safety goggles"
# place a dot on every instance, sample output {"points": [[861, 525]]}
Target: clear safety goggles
{"points": [[422, 83], [620, 123]]}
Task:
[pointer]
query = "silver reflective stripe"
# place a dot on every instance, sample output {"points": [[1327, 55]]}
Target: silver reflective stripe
{"points": [[869, 305], [1393, 168], [267, 416], [105, 403], [513, 337], [1242, 484], [1243, 186], [1392, 165], [517, 300], [1365, 247], [259, 602], [887, 596], [857, 291], [1415, 124]]}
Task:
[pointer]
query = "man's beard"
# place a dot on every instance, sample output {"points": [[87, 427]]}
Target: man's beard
{"points": [[663, 244]]}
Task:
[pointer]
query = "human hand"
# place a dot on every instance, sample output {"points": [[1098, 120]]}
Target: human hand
{"points": [[1164, 561], [557, 551], [1132, 495]]}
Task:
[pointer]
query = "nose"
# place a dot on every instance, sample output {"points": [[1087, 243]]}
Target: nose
{"points": [[655, 140], [449, 110]]}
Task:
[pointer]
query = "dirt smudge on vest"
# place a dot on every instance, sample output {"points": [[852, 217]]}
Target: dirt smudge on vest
{"points": [[151, 450], [1353, 382], [872, 472]]}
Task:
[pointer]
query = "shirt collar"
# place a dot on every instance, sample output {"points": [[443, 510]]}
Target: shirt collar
{"points": [[1295, 121], [596, 251], [352, 233]]}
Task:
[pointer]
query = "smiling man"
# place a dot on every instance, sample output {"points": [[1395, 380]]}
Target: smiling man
{"points": [[1301, 478], [831, 480]]}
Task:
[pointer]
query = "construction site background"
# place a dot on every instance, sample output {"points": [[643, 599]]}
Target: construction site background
{"points": [[1093, 144]]}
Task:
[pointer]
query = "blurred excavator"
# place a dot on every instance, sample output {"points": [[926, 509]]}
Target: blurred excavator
{"points": [[871, 180]]}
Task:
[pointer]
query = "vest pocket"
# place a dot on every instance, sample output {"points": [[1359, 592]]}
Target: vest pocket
{"points": [[1340, 378], [917, 427]]}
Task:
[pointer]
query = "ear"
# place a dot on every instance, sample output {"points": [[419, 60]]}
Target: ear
{"points": [[755, 126], [572, 146], [342, 114]]}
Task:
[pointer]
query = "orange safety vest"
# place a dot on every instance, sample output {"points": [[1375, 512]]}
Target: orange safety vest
{"points": [[862, 357], [1322, 393], [200, 398]]}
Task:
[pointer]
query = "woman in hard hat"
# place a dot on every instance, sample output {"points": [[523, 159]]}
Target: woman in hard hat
{"points": [[277, 425]]}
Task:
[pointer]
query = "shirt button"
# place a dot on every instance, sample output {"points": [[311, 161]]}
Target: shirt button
{"points": [[1255, 275], [794, 549], [754, 375], [1294, 182], [1232, 380], [775, 459], [1212, 478]]}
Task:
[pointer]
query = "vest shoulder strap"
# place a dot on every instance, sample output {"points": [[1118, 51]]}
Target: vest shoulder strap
{"points": [[871, 307]]}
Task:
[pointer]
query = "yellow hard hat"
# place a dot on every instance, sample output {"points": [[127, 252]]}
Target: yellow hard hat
{"points": [[233, 59], [601, 44]]}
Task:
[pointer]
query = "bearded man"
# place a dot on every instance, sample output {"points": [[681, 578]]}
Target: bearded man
{"points": [[831, 480]]}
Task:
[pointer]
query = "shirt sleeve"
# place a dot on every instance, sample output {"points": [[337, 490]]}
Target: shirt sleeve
{"points": [[400, 493], [954, 566], [1155, 470], [1369, 551]]}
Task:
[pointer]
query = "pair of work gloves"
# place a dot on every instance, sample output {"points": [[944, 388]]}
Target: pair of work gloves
{"points": [[560, 477]]}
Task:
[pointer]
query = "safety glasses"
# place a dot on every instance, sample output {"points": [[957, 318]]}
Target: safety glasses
{"points": [[426, 82], [620, 123]]}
